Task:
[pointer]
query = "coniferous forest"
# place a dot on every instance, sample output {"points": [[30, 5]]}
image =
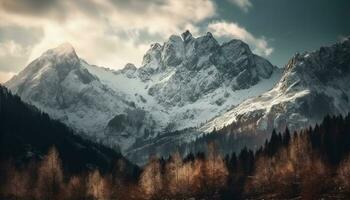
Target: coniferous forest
{"points": [[53, 163]]}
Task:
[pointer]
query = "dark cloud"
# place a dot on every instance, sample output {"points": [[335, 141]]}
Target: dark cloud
{"points": [[136, 5], [37, 8], [90, 8], [60, 9]]}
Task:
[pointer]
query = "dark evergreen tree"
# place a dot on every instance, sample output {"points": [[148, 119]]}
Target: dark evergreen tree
{"points": [[26, 134], [286, 137]]}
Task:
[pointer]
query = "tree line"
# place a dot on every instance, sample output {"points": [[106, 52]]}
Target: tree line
{"points": [[310, 164]]}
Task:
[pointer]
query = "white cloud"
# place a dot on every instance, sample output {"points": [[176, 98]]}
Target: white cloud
{"points": [[11, 48], [93, 27], [245, 5], [12, 56], [228, 29]]}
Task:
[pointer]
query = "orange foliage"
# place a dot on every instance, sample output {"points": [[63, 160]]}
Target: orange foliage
{"points": [[291, 171], [343, 176], [50, 177], [151, 179], [98, 187]]}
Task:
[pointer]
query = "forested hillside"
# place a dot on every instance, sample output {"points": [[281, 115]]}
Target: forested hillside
{"points": [[26, 134], [312, 163]]}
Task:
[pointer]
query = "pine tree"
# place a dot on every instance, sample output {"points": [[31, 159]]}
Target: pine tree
{"points": [[286, 137]]}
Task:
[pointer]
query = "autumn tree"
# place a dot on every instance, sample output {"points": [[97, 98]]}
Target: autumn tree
{"points": [[76, 188], [295, 169], [173, 174], [99, 187], [214, 171], [183, 179], [343, 176], [120, 185], [263, 178], [17, 183], [151, 181], [50, 177], [315, 180]]}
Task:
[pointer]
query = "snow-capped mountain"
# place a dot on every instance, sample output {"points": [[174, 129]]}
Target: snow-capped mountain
{"points": [[59, 84], [312, 85], [181, 84]]}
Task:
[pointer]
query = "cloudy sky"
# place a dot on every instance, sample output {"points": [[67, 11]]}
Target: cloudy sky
{"points": [[112, 33]]}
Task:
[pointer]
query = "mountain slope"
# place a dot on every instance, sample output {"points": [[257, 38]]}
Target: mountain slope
{"points": [[59, 84], [312, 85], [180, 84], [26, 134]]}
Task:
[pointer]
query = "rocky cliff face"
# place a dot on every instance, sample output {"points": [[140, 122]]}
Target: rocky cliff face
{"points": [[199, 66]]}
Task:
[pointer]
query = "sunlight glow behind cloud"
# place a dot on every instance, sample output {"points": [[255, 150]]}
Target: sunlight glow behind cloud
{"points": [[87, 25], [109, 33]]}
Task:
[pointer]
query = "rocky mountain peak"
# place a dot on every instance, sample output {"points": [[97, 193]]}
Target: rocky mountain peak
{"points": [[62, 59], [129, 70], [48, 73], [238, 46], [152, 56], [186, 36], [173, 51], [155, 46], [63, 50], [175, 38], [130, 66], [320, 67], [206, 44], [209, 34]]}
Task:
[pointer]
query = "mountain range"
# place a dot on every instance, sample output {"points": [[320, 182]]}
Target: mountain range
{"points": [[185, 89]]}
